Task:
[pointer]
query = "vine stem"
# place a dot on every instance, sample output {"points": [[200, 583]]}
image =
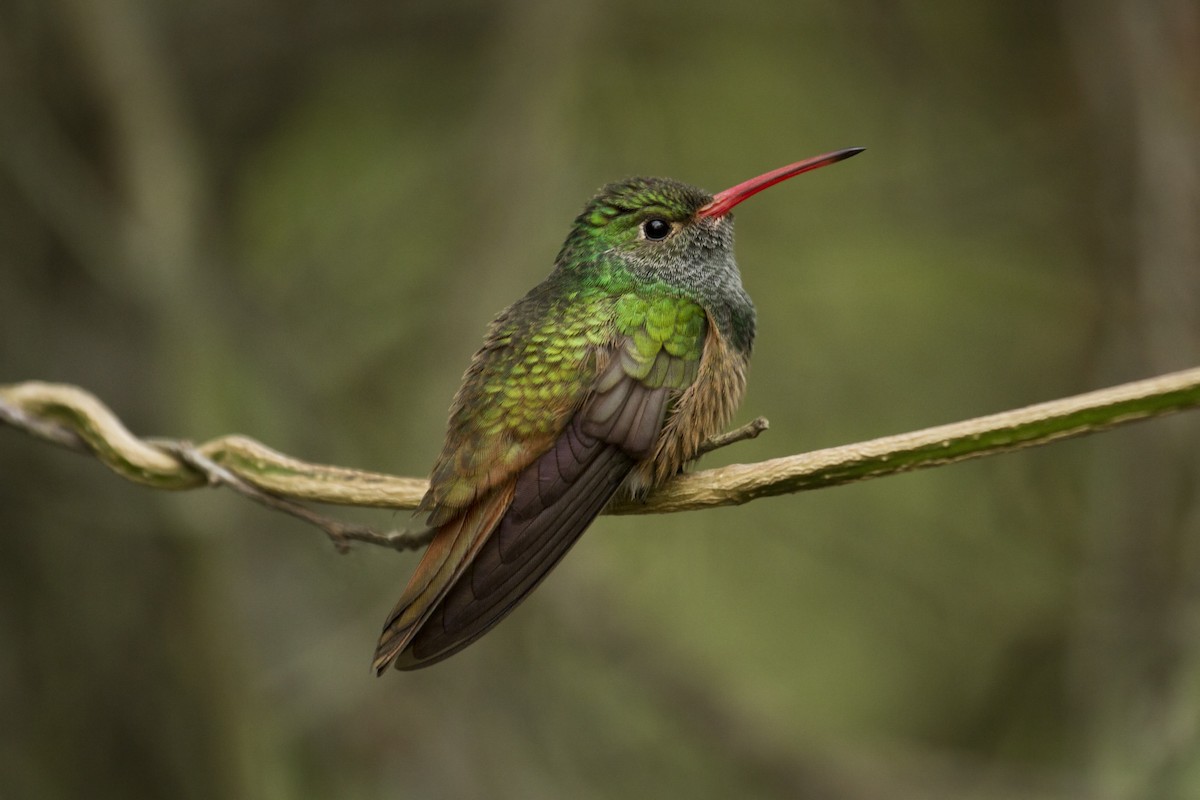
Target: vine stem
{"points": [[73, 418]]}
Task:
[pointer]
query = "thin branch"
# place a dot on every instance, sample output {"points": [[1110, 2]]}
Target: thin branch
{"points": [[946, 444], [339, 532], [68, 415]]}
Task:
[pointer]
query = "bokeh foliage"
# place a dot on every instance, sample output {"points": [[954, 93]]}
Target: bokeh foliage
{"points": [[293, 220]]}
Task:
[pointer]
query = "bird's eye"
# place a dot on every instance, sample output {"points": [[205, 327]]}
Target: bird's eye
{"points": [[656, 229]]}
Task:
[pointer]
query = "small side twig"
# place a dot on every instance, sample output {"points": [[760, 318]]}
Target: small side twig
{"points": [[750, 430], [340, 533]]}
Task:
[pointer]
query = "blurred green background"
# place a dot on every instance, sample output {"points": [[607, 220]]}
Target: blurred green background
{"points": [[294, 219]]}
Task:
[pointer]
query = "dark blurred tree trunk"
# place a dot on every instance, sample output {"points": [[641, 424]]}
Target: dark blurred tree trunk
{"points": [[1137, 651], [103, 197]]}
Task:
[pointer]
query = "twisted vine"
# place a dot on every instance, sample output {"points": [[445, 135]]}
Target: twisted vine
{"points": [[73, 418]]}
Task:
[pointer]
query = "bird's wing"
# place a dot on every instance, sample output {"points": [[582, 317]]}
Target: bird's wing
{"points": [[487, 558]]}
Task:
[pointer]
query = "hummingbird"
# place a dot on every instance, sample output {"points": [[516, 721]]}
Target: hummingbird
{"points": [[607, 376]]}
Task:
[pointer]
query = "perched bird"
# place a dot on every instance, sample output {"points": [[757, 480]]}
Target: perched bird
{"points": [[609, 374]]}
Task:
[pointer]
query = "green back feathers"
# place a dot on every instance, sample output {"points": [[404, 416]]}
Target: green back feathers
{"points": [[540, 360]]}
